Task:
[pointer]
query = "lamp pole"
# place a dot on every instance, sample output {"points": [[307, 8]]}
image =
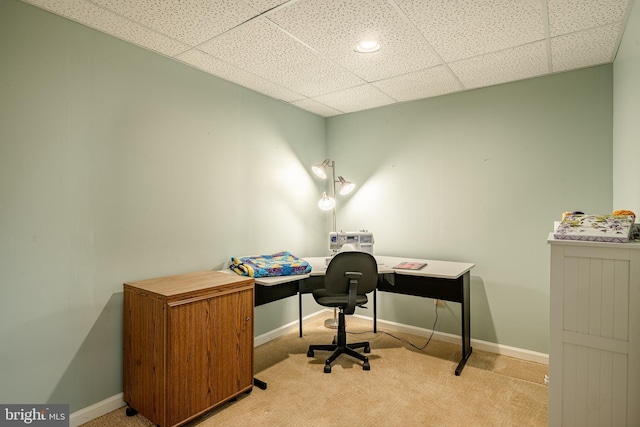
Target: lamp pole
{"points": [[332, 323], [329, 203], [333, 194]]}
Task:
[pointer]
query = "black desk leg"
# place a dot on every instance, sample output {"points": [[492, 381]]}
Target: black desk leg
{"points": [[375, 311], [466, 322], [300, 308]]}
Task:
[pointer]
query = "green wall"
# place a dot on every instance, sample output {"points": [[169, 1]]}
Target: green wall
{"points": [[118, 164], [480, 177], [626, 126]]}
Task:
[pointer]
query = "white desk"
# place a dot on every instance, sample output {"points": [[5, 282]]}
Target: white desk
{"points": [[434, 268], [443, 280]]}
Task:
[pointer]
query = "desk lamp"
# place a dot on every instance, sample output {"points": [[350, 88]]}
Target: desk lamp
{"points": [[328, 203]]}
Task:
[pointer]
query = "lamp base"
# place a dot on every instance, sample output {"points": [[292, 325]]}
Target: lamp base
{"points": [[333, 322]]}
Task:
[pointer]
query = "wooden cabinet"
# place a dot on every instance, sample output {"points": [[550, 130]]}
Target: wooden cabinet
{"points": [[188, 344], [594, 354]]}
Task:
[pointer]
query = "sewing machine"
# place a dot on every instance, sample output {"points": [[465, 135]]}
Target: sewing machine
{"points": [[356, 240]]}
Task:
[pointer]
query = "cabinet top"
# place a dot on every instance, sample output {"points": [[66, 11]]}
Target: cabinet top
{"points": [[190, 284], [632, 244]]}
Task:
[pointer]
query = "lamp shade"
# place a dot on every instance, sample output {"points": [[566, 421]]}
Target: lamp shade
{"points": [[326, 203], [346, 187], [320, 170]]}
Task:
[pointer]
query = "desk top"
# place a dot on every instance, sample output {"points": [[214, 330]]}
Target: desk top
{"points": [[434, 268]]}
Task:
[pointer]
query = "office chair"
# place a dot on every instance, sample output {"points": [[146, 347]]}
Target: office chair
{"points": [[349, 277]]}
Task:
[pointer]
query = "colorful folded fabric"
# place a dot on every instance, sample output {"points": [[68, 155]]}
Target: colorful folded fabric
{"points": [[278, 264], [596, 228]]}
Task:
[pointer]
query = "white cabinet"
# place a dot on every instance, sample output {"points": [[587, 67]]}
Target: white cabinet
{"points": [[594, 352]]}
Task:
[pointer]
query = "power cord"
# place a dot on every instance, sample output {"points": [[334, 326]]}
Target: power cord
{"points": [[404, 340]]}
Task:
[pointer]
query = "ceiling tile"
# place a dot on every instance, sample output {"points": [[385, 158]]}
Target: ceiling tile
{"points": [[355, 99], [567, 16], [316, 107], [585, 48], [108, 22], [262, 49], [420, 84], [333, 27], [465, 28], [189, 21], [264, 5], [499, 67], [209, 64]]}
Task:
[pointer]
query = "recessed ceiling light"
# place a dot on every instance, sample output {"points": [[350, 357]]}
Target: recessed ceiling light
{"points": [[367, 46]]}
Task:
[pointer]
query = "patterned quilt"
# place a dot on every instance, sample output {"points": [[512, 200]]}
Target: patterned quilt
{"points": [[596, 228], [278, 264]]}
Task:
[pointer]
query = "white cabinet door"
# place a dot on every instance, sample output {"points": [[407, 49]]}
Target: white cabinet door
{"points": [[594, 357]]}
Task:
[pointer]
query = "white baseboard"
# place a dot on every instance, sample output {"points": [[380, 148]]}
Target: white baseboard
{"points": [[282, 330], [505, 350], [518, 353], [96, 410], [112, 403]]}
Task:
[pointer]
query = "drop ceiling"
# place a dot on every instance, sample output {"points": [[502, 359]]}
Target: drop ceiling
{"points": [[302, 51]]}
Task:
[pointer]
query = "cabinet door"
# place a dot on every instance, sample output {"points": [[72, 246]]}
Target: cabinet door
{"points": [[232, 316], [593, 362], [209, 354], [189, 361]]}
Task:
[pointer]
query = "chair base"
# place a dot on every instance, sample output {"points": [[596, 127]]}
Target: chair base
{"points": [[342, 348]]}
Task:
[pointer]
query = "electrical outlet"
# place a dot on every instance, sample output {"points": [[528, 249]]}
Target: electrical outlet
{"points": [[438, 302]]}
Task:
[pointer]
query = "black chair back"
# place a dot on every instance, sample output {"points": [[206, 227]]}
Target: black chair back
{"points": [[336, 281]]}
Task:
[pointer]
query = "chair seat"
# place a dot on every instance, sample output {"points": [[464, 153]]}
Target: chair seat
{"points": [[330, 299]]}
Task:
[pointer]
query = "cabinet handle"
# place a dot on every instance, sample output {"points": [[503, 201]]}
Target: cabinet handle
{"points": [[248, 318]]}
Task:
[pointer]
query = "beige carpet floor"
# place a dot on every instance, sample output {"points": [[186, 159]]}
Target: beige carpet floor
{"points": [[405, 386]]}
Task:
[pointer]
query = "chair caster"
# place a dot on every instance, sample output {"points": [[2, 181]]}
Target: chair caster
{"points": [[366, 366], [310, 353], [327, 369], [367, 349], [131, 412]]}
